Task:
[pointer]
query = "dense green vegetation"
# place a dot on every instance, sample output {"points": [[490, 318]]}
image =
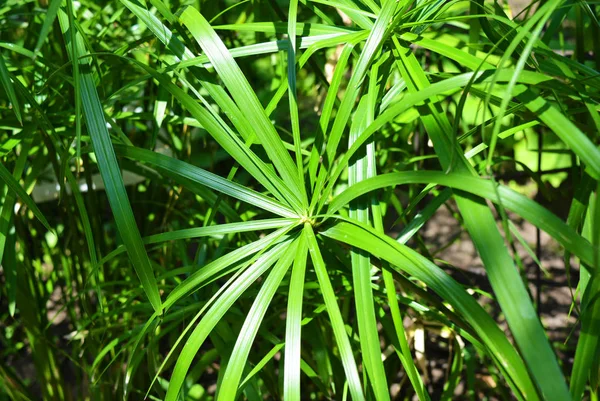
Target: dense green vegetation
{"points": [[219, 200]]}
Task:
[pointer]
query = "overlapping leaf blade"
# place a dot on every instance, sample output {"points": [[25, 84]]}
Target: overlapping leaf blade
{"points": [[243, 94], [109, 167]]}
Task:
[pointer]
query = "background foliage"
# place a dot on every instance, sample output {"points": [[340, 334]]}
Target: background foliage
{"points": [[219, 199]]}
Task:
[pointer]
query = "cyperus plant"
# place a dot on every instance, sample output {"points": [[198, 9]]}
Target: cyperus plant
{"points": [[303, 263]]}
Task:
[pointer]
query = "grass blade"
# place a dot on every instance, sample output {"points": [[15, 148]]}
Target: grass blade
{"points": [[221, 229], [179, 170], [215, 313], [520, 204], [360, 169], [589, 339], [293, 325], [216, 267], [209, 120], [241, 350], [8, 235], [48, 21], [242, 93], [109, 168], [8, 86], [419, 267], [293, 99], [372, 45], [335, 316], [14, 186]]}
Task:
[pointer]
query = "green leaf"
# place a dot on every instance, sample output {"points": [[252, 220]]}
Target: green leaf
{"points": [[243, 94], [228, 261], [14, 186], [261, 364], [509, 289], [589, 338], [405, 259], [335, 316], [360, 169], [221, 229], [48, 21], [521, 205], [207, 118], [237, 261], [307, 29], [180, 171], [216, 312], [254, 317], [293, 325], [109, 168], [7, 84], [372, 45], [446, 86], [564, 128], [293, 99], [8, 233], [540, 17]]}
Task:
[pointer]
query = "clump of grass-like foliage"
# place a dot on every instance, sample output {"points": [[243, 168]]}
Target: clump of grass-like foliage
{"points": [[219, 200]]}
